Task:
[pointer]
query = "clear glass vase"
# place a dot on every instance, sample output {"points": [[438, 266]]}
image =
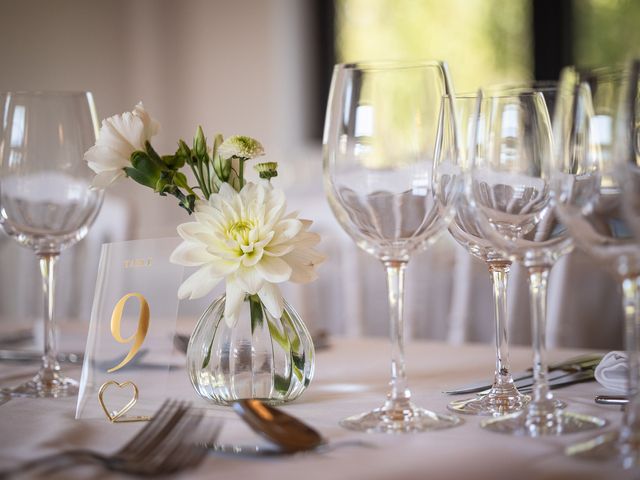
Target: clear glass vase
{"points": [[261, 357]]}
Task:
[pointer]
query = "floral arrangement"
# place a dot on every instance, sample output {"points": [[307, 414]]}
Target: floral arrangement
{"points": [[242, 233]]}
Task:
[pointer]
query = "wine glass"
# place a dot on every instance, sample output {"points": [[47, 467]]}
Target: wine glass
{"points": [[627, 159], [503, 397], [591, 128], [391, 178], [45, 200], [509, 191]]}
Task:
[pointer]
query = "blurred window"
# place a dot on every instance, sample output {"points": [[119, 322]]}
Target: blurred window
{"points": [[605, 31], [483, 41]]}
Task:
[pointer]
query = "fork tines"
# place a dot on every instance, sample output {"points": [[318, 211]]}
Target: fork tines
{"points": [[152, 431]]}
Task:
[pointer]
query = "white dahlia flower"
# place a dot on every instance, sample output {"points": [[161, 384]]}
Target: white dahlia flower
{"points": [[119, 137], [246, 239]]}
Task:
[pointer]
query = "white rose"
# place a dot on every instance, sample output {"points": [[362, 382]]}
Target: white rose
{"points": [[119, 137]]}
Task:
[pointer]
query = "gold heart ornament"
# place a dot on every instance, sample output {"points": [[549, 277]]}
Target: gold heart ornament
{"points": [[117, 416]]}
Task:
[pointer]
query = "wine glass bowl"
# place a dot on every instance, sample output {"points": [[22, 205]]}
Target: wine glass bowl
{"points": [[508, 188], [47, 211], [588, 196], [391, 178], [46, 203], [380, 188]]}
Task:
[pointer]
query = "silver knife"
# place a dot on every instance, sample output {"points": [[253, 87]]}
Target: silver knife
{"points": [[34, 356], [612, 399], [565, 380], [574, 364], [556, 379], [16, 336]]}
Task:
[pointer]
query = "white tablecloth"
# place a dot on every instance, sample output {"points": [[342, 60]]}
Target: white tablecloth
{"points": [[351, 377]]}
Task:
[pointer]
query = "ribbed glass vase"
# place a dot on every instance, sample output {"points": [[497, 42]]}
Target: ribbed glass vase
{"points": [[261, 357]]}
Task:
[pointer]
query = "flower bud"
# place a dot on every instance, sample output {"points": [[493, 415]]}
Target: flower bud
{"points": [[200, 144], [266, 170], [184, 152]]}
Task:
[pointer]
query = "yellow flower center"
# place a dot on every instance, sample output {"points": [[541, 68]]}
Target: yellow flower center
{"points": [[240, 231]]}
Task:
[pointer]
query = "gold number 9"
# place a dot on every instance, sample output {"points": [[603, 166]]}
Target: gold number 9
{"points": [[141, 332]]}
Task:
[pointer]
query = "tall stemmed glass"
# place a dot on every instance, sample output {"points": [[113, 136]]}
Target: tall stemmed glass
{"points": [[600, 195], [627, 158], [510, 193], [503, 397], [589, 198], [45, 200], [383, 131]]}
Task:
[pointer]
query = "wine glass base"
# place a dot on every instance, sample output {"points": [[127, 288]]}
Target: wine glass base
{"points": [[494, 405], [405, 420], [607, 447], [561, 423], [57, 387]]}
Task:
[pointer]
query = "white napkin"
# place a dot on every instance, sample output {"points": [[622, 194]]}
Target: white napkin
{"points": [[612, 371]]}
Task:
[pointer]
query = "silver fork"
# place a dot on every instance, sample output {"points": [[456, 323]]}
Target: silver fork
{"points": [[158, 449]]}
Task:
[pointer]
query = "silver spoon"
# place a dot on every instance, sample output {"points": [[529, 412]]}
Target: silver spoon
{"points": [[289, 433]]}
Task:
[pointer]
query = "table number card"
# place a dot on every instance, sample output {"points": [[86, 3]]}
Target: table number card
{"points": [[130, 349]]}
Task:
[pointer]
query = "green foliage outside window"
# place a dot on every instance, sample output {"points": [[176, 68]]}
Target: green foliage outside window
{"points": [[483, 41]]}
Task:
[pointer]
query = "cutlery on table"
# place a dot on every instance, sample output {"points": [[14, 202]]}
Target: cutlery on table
{"points": [[36, 356], [77, 358], [611, 399], [564, 380], [15, 337], [288, 434], [146, 453], [286, 431], [524, 379]]}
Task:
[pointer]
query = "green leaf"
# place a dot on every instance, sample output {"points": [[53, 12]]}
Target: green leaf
{"points": [[297, 365], [281, 384], [153, 155], [174, 162], [295, 345], [146, 164], [141, 177], [180, 179], [280, 337], [162, 185], [298, 360], [188, 203], [207, 357], [255, 306]]}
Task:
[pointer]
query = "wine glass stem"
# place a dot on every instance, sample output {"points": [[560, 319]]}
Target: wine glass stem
{"points": [[50, 366], [499, 271], [400, 394], [630, 432], [541, 410]]}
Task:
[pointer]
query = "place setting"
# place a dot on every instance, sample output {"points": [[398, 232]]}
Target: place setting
{"points": [[519, 173]]}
